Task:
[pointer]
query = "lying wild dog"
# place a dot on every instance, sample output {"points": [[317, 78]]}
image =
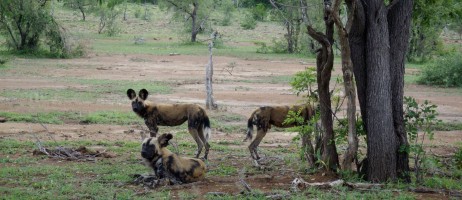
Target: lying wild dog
{"points": [[266, 116], [169, 165], [173, 115]]}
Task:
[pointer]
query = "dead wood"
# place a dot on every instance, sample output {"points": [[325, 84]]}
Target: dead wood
{"points": [[218, 194], [453, 193], [242, 182], [80, 154], [277, 196], [299, 184], [364, 185]]}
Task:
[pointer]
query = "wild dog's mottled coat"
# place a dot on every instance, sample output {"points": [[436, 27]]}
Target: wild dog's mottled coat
{"points": [[155, 115], [178, 168], [266, 116]]}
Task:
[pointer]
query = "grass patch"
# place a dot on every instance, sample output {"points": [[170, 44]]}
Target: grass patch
{"points": [[97, 89], [222, 170], [111, 117], [45, 118], [447, 126], [99, 117]]}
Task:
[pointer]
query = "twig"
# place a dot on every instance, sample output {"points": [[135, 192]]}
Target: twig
{"points": [[242, 181]]}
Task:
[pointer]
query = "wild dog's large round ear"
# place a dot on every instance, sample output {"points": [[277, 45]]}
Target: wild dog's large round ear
{"points": [[143, 94], [131, 94], [163, 140]]}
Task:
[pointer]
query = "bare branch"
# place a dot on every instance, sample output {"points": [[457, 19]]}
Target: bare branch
{"points": [[179, 7]]}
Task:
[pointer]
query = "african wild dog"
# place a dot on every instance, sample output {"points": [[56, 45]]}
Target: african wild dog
{"points": [[169, 165], [266, 116], [173, 115]]}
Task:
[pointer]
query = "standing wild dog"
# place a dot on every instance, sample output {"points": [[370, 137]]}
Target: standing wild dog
{"points": [[266, 116], [175, 168], [173, 115]]}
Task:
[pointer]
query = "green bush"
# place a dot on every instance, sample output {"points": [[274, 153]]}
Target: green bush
{"points": [[248, 23], [458, 158], [259, 12], [138, 13], [445, 71], [279, 46], [227, 9]]}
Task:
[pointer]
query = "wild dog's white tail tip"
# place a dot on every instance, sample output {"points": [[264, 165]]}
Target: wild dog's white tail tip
{"points": [[208, 133]]}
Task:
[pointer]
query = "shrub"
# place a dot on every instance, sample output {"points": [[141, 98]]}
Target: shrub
{"points": [[458, 158], [249, 23], [138, 13], [279, 46], [259, 12], [262, 47], [445, 71], [228, 8]]}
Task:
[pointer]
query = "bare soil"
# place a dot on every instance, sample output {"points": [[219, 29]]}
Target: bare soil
{"points": [[239, 89]]}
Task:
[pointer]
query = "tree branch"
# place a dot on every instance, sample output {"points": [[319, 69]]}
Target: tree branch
{"points": [[179, 7]]}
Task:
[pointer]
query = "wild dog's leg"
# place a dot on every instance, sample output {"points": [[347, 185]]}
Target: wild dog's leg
{"points": [[200, 144], [254, 145], [200, 130], [152, 126]]}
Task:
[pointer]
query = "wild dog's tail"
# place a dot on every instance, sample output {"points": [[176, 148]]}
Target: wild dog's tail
{"points": [[249, 128], [207, 130]]}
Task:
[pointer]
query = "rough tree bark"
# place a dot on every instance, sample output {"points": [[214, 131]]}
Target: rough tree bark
{"points": [[399, 22], [325, 63], [378, 40], [348, 82], [209, 101]]}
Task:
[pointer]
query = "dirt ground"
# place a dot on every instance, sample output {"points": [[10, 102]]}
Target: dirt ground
{"points": [[240, 86]]}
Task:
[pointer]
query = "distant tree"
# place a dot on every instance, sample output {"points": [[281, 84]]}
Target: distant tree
{"points": [[82, 5], [108, 13], [429, 18], [26, 25], [289, 13], [195, 11]]}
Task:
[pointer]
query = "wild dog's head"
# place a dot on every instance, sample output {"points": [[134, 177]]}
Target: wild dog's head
{"points": [[138, 105], [151, 149]]}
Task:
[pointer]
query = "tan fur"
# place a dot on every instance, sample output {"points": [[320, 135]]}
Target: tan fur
{"points": [[182, 169], [264, 117], [155, 115]]}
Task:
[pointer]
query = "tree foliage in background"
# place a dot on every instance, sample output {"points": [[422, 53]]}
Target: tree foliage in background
{"points": [[23, 23], [445, 71], [83, 6], [108, 13], [26, 25], [429, 18], [290, 16], [194, 13]]}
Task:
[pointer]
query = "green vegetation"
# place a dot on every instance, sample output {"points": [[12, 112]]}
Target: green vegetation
{"points": [[26, 176], [445, 71], [99, 117], [97, 89]]}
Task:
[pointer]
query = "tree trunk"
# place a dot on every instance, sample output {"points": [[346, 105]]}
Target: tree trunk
{"points": [[381, 139], [194, 29], [209, 102], [82, 10], [399, 24], [325, 63], [350, 91], [125, 11], [378, 41]]}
